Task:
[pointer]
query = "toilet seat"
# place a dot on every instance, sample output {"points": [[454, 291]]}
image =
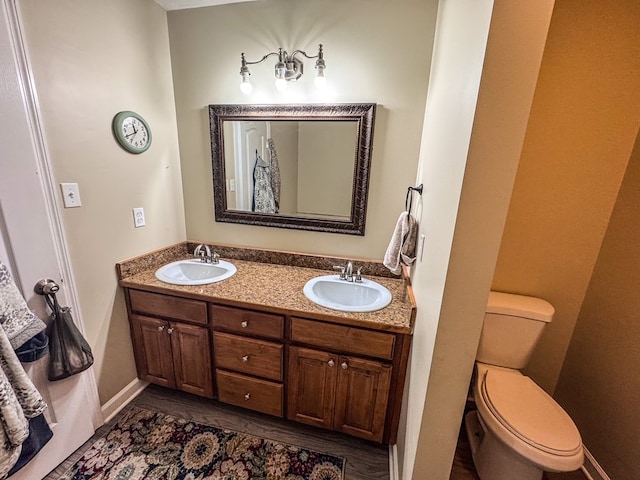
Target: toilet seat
{"points": [[530, 413], [527, 419]]}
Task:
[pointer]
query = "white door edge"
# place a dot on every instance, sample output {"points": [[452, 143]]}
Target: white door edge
{"points": [[29, 96]]}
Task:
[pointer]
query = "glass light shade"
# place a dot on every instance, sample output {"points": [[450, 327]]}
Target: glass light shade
{"points": [[281, 84], [320, 80], [245, 86]]}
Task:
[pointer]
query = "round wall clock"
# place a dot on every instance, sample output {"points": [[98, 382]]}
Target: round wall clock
{"points": [[132, 132]]}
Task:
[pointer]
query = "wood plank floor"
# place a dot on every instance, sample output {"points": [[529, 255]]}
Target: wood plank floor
{"points": [[364, 460]]}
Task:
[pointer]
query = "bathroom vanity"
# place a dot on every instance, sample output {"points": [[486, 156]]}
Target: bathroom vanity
{"points": [[255, 341]]}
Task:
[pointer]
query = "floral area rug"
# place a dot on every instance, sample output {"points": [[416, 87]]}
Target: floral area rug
{"points": [[150, 445]]}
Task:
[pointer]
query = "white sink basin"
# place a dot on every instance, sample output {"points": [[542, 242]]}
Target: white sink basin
{"points": [[195, 272], [331, 292]]}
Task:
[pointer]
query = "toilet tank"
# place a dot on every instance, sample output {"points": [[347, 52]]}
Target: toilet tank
{"points": [[512, 327]]}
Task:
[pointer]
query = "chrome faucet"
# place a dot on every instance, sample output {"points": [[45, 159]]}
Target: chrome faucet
{"points": [[346, 272], [204, 252]]}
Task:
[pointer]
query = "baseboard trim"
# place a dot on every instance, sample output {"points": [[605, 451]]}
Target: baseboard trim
{"points": [[394, 472], [122, 399], [591, 468]]}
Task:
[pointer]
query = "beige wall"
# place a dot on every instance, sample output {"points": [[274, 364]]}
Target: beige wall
{"points": [[91, 59], [582, 128], [600, 383], [363, 65], [463, 227], [325, 167]]}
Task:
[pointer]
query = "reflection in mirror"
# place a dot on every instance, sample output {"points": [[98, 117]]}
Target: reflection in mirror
{"points": [[309, 163], [300, 166]]}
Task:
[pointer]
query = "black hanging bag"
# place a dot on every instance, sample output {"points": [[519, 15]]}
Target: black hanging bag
{"points": [[69, 352]]}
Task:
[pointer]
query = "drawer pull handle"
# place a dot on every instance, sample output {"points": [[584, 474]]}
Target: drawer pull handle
{"points": [[170, 331], [244, 324], [245, 358], [344, 365], [247, 396], [331, 363], [161, 328]]}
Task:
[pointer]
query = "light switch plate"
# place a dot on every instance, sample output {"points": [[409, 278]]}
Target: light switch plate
{"points": [[70, 195]]}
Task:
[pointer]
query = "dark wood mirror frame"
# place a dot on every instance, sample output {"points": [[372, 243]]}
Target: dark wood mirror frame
{"points": [[362, 113]]}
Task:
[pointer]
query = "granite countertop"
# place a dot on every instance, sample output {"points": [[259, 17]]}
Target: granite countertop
{"points": [[278, 287]]}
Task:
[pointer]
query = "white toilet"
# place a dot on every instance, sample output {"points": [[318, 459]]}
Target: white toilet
{"points": [[518, 431]]}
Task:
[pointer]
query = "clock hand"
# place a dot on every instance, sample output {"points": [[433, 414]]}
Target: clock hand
{"points": [[132, 133]]}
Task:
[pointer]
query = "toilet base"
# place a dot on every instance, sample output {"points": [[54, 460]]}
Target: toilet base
{"points": [[493, 459]]}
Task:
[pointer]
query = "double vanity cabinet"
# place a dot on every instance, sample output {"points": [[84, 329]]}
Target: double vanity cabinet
{"points": [[305, 363]]}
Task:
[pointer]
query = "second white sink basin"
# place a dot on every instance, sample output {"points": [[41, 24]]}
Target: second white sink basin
{"points": [[195, 272], [331, 292]]}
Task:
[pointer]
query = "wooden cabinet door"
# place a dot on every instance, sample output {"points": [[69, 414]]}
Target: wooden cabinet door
{"points": [[190, 346], [153, 346], [311, 386], [361, 397]]}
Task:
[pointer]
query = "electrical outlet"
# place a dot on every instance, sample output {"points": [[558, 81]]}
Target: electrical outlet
{"points": [[71, 195], [138, 217]]}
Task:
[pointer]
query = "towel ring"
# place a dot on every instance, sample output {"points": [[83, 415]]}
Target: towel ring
{"points": [[408, 202]]}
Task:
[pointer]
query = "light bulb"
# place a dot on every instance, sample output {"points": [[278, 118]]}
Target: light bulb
{"points": [[245, 86], [281, 84], [320, 80]]}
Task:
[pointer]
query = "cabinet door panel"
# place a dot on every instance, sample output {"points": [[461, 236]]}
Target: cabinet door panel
{"points": [[311, 387], [154, 344], [192, 359], [361, 397]]}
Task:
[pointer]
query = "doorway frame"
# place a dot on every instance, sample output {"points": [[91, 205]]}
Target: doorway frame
{"points": [[42, 159]]}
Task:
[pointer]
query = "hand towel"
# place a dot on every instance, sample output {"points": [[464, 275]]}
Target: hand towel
{"points": [[402, 246], [19, 323]]}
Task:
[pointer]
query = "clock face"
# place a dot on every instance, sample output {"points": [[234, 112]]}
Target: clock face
{"points": [[132, 132], [135, 133]]}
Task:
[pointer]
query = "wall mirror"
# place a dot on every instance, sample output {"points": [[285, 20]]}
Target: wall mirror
{"points": [[292, 166]]}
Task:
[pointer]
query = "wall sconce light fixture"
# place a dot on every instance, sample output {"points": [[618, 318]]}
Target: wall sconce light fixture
{"points": [[289, 68]]}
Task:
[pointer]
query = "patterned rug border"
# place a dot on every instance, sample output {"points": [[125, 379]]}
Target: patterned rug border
{"points": [[131, 411]]}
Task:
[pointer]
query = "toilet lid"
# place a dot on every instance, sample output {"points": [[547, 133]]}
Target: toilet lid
{"points": [[529, 413]]}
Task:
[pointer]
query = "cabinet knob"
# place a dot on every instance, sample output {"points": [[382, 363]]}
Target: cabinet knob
{"points": [[170, 331], [245, 358], [344, 365], [161, 328], [331, 363], [244, 324], [247, 396]]}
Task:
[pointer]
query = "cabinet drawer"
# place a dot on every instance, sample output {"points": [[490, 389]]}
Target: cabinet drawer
{"points": [[168, 306], [343, 338], [247, 322], [253, 393], [247, 355]]}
